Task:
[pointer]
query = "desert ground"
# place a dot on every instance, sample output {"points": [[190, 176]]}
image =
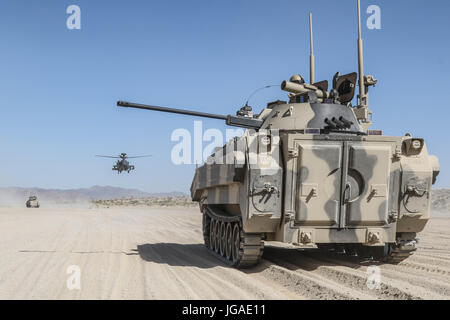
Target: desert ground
{"points": [[157, 253]]}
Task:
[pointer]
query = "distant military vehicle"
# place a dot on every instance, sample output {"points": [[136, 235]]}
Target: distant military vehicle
{"points": [[309, 171], [32, 202], [122, 164]]}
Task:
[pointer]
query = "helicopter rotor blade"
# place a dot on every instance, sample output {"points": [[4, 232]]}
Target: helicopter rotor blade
{"points": [[139, 157], [113, 157]]}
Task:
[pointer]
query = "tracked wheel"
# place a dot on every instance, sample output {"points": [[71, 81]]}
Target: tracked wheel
{"points": [[397, 252], [236, 242], [206, 224], [217, 236], [229, 241], [225, 239], [393, 253], [212, 240]]}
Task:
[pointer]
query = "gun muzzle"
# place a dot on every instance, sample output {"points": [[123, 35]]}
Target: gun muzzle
{"points": [[338, 123], [330, 123], [347, 123]]}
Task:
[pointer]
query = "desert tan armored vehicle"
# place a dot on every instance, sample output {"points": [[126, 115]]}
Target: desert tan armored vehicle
{"points": [[309, 171], [32, 202]]}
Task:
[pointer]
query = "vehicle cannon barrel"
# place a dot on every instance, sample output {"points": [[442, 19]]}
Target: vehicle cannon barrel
{"points": [[304, 88], [236, 121]]}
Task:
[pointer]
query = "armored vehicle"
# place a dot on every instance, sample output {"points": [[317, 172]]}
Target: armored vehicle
{"points": [[309, 171], [32, 202]]}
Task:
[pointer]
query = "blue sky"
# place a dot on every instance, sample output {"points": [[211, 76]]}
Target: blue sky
{"points": [[58, 87]]}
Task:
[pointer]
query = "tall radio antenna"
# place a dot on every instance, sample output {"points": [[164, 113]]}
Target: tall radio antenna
{"points": [[311, 56], [362, 89]]}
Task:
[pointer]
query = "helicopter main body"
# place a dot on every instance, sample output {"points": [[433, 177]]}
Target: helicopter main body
{"points": [[123, 165]]}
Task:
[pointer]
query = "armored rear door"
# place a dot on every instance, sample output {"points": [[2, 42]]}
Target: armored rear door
{"points": [[318, 174], [365, 183], [342, 184]]}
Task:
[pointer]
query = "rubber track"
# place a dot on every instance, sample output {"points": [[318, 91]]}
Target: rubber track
{"points": [[251, 244], [397, 255]]}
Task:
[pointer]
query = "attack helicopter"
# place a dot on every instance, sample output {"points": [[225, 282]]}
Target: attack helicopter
{"points": [[123, 164]]}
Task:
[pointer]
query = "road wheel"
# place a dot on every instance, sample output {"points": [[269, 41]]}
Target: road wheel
{"points": [[212, 239], [223, 238], [206, 229], [217, 236], [236, 246], [229, 240]]}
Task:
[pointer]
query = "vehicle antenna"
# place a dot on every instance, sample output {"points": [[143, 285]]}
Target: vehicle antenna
{"points": [[311, 56]]}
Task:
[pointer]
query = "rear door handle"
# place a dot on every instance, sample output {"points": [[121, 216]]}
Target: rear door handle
{"points": [[346, 193]]}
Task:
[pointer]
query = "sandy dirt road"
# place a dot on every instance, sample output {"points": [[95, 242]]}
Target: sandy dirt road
{"points": [[158, 254]]}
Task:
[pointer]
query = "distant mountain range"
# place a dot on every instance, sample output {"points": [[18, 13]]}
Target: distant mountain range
{"points": [[16, 195]]}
